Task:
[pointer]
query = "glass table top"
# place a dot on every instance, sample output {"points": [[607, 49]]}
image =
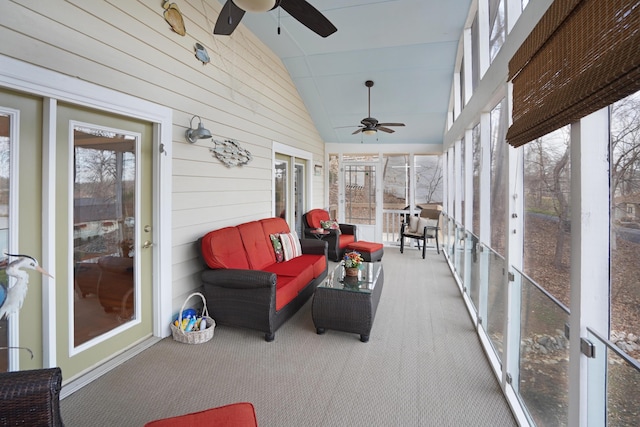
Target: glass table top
{"points": [[365, 282]]}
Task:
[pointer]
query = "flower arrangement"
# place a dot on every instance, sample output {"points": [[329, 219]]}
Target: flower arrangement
{"points": [[353, 259]]}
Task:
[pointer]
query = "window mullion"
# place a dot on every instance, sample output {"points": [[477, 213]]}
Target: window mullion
{"points": [[589, 254]]}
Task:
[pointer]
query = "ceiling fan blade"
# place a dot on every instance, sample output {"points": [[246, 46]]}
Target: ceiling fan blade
{"points": [[357, 131], [384, 129], [309, 16], [390, 124], [229, 18]]}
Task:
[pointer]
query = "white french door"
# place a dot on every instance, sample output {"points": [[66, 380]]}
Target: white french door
{"points": [[101, 202], [359, 197], [104, 224], [20, 221], [291, 184]]}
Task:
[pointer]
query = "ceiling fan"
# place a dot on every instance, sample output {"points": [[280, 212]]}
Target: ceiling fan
{"points": [[370, 125], [233, 11]]}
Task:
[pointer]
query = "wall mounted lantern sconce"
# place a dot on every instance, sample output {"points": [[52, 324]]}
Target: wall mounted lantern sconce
{"points": [[201, 132]]}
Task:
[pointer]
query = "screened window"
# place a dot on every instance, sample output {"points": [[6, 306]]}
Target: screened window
{"points": [[497, 26], [547, 227], [625, 223], [428, 170], [498, 177], [477, 154], [475, 54]]}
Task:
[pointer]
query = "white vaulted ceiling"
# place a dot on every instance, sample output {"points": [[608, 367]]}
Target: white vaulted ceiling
{"points": [[407, 47]]}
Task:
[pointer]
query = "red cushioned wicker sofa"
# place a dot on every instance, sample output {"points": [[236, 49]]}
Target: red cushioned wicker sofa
{"points": [[244, 283]]}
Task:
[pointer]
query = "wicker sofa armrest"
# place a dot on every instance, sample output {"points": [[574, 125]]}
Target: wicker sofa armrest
{"points": [[313, 246], [239, 279], [31, 398], [348, 229]]}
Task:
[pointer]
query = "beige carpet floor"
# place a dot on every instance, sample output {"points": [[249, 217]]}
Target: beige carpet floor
{"points": [[423, 366]]}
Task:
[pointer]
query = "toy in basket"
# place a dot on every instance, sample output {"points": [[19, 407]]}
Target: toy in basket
{"points": [[193, 329]]}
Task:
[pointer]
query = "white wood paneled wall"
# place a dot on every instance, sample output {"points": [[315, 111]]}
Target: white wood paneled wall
{"points": [[244, 93]]}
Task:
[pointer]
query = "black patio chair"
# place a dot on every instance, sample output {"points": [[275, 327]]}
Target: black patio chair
{"points": [[421, 228]]}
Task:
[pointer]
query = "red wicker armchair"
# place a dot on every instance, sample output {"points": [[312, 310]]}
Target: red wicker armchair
{"points": [[337, 239]]}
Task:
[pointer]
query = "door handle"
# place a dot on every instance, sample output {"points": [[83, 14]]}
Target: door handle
{"points": [[147, 244]]}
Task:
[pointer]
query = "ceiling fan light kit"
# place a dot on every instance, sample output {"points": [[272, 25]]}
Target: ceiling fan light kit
{"points": [[255, 5], [233, 10]]}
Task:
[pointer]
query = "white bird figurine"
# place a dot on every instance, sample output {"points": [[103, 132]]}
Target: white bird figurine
{"points": [[11, 298]]}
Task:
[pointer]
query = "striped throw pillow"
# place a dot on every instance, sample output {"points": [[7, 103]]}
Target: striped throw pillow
{"points": [[290, 245]]}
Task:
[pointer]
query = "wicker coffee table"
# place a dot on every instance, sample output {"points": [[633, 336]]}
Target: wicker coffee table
{"points": [[348, 304]]}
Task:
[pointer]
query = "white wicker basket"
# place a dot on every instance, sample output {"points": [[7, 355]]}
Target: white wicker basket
{"points": [[194, 337]]}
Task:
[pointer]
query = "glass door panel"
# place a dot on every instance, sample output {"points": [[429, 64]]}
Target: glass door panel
{"points": [[360, 204], [280, 179], [104, 188], [104, 223], [334, 189], [289, 184], [299, 208], [396, 181], [5, 153], [21, 223]]}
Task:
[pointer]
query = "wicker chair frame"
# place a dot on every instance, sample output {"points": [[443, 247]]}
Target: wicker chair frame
{"points": [[31, 398]]}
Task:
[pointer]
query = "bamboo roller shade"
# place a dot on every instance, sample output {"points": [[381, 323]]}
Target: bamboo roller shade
{"points": [[582, 55]]}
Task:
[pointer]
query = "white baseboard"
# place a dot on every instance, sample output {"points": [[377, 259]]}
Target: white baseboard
{"points": [[76, 383]]}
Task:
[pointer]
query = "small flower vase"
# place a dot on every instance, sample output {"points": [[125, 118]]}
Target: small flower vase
{"points": [[351, 271], [351, 282]]}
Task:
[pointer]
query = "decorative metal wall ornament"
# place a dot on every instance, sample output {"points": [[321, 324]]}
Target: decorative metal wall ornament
{"points": [[230, 153], [201, 53], [173, 16]]}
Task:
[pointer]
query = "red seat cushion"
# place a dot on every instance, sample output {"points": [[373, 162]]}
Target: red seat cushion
{"points": [[235, 415], [314, 217], [362, 246], [287, 288], [293, 268], [345, 239], [319, 263]]}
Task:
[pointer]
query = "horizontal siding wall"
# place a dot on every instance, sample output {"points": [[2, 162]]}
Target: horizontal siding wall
{"points": [[244, 93]]}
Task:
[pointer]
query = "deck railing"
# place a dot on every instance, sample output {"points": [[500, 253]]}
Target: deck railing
{"points": [[391, 224], [538, 339]]}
